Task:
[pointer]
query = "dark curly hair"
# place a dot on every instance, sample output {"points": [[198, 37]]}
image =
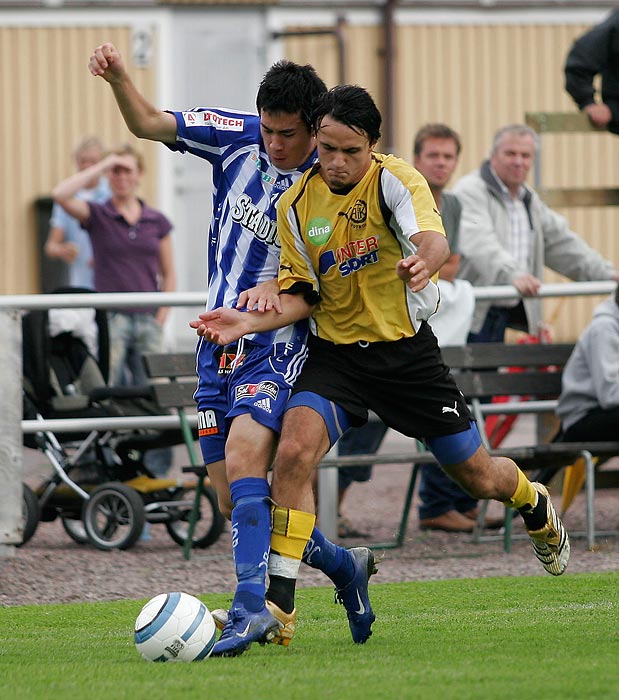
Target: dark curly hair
{"points": [[351, 105]]}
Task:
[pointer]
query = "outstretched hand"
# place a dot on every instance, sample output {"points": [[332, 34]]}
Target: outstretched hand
{"points": [[107, 63], [414, 271], [221, 326]]}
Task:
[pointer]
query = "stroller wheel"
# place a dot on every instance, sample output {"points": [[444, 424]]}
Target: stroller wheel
{"points": [[113, 516], [74, 527], [210, 522], [31, 513]]}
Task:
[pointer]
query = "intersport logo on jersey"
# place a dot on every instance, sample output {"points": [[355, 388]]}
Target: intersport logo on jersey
{"points": [[218, 121], [352, 257]]}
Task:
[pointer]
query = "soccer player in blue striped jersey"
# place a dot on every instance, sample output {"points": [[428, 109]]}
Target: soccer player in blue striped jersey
{"points": [[243, 388]]}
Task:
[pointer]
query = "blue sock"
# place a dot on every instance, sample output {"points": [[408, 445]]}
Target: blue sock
{"points": [[331, 559], [251, 540]]}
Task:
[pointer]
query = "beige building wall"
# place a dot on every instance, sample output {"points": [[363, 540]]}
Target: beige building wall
{"points": [[50, 101], [478, 77]]}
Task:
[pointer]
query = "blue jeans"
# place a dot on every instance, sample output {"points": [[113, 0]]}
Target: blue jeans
{"points": [[493, 329], [132, 335], [439, 493]]}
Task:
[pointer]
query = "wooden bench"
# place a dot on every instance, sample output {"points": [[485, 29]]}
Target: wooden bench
{"points": [[533, 389], [480, 370], [481, 373], [173, 387]]}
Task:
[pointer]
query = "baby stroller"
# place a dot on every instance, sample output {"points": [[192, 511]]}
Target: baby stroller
{"points": [[100, 487]]}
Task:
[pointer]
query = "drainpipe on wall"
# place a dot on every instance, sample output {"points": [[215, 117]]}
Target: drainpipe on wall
{"points": [[388, 137]]}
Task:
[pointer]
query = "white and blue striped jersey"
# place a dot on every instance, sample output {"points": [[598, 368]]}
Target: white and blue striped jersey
{"points": [[243, 246]]}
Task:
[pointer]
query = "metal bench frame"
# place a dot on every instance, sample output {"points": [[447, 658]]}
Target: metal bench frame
{"points": [[480, 371]]}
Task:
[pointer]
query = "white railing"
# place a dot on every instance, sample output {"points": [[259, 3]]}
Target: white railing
{"points": [[28, 302], [12, 426]]}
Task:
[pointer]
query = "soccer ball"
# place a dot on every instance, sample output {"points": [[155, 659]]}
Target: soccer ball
{"points": [[174, 627]]}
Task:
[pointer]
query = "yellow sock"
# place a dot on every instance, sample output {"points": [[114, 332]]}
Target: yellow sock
{"points": [[524, 495], [291, 531]]}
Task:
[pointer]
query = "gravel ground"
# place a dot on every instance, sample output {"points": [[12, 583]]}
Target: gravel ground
{"points": [[51, 568]]}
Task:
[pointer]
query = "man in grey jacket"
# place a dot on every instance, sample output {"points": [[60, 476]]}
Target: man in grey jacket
{"points": [[508, 235], [589, 402]]}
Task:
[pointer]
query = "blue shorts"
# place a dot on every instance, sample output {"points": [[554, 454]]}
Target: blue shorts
{"points": [[455, 448], [257, 381]]}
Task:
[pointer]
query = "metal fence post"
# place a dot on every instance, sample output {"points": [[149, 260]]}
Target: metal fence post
{"points": [[328, 498], [11, 448]]}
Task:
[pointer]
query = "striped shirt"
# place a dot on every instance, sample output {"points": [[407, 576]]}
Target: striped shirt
{"points": [[521, 236], [243, 246]]}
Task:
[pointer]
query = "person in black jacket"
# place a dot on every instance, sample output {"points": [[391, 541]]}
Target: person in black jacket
{"points": [[596, 53]]}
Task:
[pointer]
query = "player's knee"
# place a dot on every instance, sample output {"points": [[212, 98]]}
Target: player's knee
{"points": [[246, 459], [295, 459]]}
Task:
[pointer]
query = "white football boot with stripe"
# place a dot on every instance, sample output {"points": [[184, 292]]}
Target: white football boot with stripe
{"points": [[551, 544]]}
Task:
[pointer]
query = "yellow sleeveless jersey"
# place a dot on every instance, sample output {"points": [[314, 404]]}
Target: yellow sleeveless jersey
{"points": [[346, 247]]}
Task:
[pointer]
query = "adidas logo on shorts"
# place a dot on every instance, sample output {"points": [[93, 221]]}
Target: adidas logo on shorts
{"points": [[264, 404]]}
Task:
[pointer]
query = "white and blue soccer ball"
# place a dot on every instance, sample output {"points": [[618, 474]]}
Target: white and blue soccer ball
{"points": [[174, 627]]}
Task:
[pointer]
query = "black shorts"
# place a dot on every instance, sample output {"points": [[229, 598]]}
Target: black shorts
{"points": [[405, 382]]}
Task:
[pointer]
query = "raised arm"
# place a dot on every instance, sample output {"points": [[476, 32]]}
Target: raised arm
{"points": [[65, 191], [142, 118]]}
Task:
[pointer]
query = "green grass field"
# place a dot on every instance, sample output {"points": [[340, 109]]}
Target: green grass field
{"points": [[503, 638]]}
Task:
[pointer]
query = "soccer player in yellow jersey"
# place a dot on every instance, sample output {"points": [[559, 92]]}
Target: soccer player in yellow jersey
{"points": [[362, 243]]}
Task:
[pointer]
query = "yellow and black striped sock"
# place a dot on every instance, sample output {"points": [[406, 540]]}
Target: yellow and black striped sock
{"points": [[528, 502]]}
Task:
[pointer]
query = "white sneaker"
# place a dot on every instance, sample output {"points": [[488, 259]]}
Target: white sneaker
{"points": [[550, 544]]}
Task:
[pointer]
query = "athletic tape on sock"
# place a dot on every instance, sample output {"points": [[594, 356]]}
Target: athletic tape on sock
{"points": [[291, 529]]}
